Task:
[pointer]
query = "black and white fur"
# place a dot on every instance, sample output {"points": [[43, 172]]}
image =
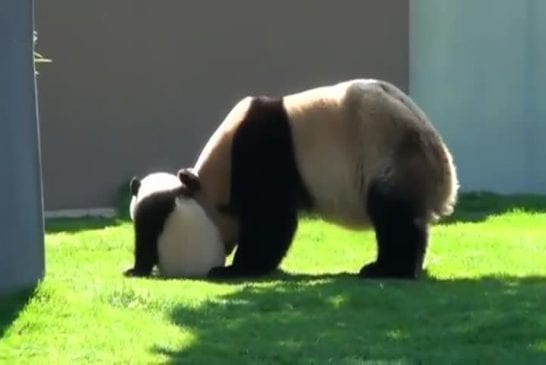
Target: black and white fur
{"points": [[359, 153], [172, 231]]}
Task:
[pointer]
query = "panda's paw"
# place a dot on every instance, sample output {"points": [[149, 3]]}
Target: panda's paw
{"points": [[222, 272], [234, 272], [134, 273], [370, 271], [376, 271]]}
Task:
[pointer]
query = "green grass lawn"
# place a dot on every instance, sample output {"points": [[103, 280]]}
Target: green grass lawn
{"points": [[483, 300]]}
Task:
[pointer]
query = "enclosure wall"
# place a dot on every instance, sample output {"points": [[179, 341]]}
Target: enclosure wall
{"points": [[139, 85], [477, 68]]}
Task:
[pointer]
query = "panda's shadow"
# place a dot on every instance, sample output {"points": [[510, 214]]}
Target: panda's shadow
{"points": [[276, 276], [280, 275], [344, 318]]}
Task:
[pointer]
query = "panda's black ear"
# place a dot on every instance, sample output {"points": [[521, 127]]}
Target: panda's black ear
{"points": [[134, 185], [189, 179]]}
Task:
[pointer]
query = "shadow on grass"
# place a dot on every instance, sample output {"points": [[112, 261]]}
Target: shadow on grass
{"points": [[342, 319], [478, 206], [74, 225], [11, 305]]}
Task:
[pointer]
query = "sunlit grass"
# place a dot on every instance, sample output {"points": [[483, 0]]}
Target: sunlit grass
{"points": [[483, 300]]}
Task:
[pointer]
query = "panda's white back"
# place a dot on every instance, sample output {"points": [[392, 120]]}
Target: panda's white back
{"points": [[190, 243]]}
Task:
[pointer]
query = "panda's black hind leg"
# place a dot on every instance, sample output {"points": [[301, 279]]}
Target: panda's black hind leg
{"points": [[400, 233], [264, 241]]}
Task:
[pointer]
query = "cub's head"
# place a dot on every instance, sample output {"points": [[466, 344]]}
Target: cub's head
{"points": [[185, 183]]}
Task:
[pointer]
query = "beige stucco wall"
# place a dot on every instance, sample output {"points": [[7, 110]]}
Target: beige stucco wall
{"points": [[139, 85], [477, 69]]}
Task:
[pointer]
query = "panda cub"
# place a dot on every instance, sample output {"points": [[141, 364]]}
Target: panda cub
{"points": [[171, 230]]}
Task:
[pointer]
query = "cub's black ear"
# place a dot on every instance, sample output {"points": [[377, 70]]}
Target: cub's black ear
{"points": [[134, 185], [189, 179]]}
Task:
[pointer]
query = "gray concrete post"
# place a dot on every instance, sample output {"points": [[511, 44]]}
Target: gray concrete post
{"points": [[21, 207]]}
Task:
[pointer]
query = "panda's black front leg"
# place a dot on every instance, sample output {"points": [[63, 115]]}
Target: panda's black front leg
{"points": [[143, 267], [265, 236]]}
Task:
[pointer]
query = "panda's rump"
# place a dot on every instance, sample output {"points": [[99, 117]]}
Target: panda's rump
{"points": [[350, 135]]}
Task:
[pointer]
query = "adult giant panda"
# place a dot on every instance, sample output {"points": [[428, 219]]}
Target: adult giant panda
{"points": [[171, 230], [359, 153]]}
